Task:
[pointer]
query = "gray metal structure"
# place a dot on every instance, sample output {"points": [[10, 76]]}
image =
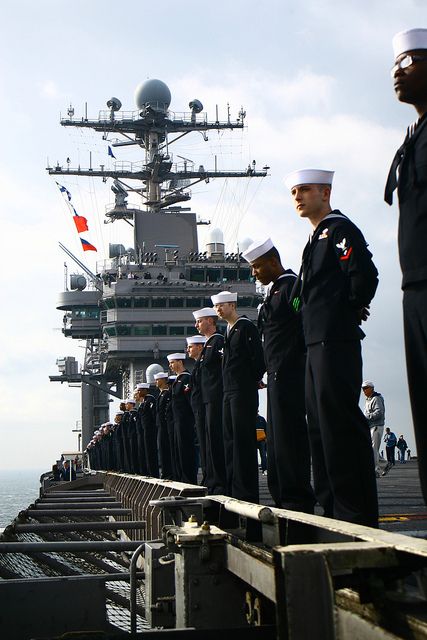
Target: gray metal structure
{"points": [[137, 307], [200, 566]]}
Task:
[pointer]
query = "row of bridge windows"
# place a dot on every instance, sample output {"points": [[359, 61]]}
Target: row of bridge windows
{"points": [[163, 302], [121, 330]]}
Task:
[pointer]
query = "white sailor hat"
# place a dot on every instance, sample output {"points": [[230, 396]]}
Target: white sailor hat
{"points": [[196, 340], [161, 374], [308, 176], [142, 385], [128, 400], [257, 249], [224, 296], [367, 383], [409, 40], [176, 356], [204, 313]]}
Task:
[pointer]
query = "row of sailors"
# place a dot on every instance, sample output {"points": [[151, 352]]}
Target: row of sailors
{"points": [[204, 418], [314, 372]]}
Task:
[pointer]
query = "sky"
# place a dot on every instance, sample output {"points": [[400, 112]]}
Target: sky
{"points": [[313, 77]]}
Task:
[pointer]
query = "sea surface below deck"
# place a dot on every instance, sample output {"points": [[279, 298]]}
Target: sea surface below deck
{"points": [[18, 489]]}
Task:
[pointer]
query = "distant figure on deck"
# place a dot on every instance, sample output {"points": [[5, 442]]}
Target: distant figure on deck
{"points": [[261, 442], [390, 445], [375, 415], [56, 473], [402, 446], [66, 469]]}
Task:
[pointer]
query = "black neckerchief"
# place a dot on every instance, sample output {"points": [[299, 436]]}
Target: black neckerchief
{"points": [[412, 134]]}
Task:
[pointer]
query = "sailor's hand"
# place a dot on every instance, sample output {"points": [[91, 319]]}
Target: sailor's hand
{"points": [[262, 385], [363, 314]]}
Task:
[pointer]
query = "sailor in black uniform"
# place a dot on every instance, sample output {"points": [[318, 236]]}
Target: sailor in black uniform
{"points": [[129, 437], [117, 441], [109, 435], [163, 443], [243, 368], [176, 469], [147, 427], [336, 284], [288, 451], [185, 435], [194, 349], [409, 174], [212, 395]]}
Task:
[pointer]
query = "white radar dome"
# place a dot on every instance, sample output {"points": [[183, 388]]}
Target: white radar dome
{"points": [[151, 370], [216, 235], [153, 93], [244, 244]]}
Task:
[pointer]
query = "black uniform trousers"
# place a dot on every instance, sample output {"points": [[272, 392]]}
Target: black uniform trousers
{"points": [[415, 329], [150, 442], [163, 445], [118, 445], [215, 459], [240, 409], [186, 449], [340, 440], [133, 447], [142, 467], [200, 426], [288, 451], [176, 469]]}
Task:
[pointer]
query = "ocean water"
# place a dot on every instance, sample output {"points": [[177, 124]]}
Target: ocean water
{"points": [[18, 489]]}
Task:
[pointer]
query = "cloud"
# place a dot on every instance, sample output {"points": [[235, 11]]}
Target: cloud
{"points": [[49, 89]]}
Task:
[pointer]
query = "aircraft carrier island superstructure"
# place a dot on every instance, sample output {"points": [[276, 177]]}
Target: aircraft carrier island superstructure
{"points": [[138, 307]]}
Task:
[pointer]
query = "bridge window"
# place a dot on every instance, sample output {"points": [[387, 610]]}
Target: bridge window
{"points": [[192, 331], [141, 302], [194, 303], [176, 302], [229, 274], [245, 274], [176, 331], [157, 303], [159, 330], [213, 275], [142, 330], [124, 303], [197, 274], [123, 330]]}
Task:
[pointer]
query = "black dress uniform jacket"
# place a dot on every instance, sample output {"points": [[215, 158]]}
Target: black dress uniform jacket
{"points": [[288, 455], [411, 159], [243, 364], [338, 278]]}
